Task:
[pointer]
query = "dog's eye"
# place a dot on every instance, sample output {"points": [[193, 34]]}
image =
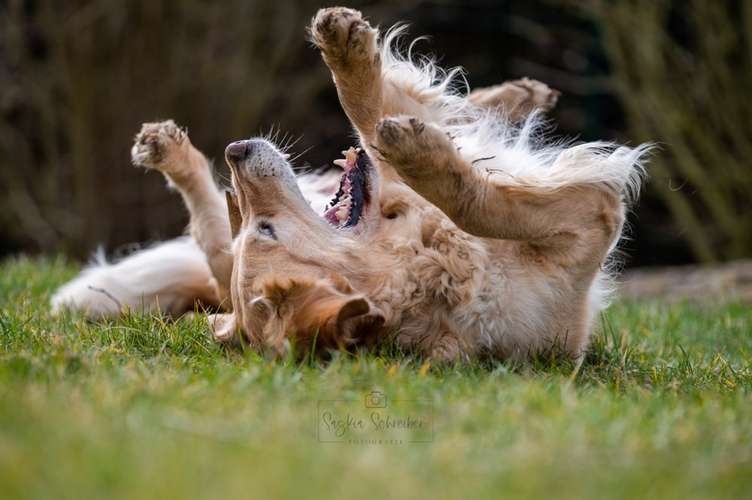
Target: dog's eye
{"points": [[393, 210], [267, 230]]}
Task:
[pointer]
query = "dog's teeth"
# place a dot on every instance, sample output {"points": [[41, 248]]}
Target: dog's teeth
{"points": [[351, 155], [342, 163], [342, 214]]}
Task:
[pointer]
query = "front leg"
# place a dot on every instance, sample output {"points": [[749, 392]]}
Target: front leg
{"points": [[349, 47], [165, 147], [425, 157]]}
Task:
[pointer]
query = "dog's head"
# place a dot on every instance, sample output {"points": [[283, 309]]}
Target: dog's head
{"points": [[296, 273]]}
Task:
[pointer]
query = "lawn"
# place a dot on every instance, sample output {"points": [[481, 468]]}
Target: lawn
{"points": [[145, 407]]}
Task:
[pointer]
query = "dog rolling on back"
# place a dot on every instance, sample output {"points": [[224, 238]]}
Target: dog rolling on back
{"points": [[455, 230]]}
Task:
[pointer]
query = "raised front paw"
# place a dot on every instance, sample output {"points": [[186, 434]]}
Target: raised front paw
{"points": [[160, 146], [343, 36], [408, 143]]}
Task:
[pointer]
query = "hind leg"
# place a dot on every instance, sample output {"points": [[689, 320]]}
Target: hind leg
{"points": [[165, 147], [517, 98]]}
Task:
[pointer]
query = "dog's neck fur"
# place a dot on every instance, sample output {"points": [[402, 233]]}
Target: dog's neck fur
{"points": [[424, 284]]}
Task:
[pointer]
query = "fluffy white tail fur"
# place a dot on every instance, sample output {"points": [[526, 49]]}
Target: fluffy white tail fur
{"points": [[167, 277]]}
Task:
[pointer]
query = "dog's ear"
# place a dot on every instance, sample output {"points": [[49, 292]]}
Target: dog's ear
{"points": [[316, 311], [358, 319], [233, 211], [340, 321]]}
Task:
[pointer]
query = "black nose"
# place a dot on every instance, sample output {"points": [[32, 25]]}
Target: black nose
{"points": [[239, 150]]}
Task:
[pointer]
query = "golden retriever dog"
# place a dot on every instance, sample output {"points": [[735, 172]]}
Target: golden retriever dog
{"points": [[454, 231]]}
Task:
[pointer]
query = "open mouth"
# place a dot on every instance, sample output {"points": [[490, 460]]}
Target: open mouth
{"points": [[353, 196]]}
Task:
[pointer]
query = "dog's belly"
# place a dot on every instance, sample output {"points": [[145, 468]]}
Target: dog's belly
{"points": [[515, 314]]}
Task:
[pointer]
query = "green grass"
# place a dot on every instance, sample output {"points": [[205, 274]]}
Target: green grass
{"points": [[147, 408]]}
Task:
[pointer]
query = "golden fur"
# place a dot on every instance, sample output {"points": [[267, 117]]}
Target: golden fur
{"points": [[460, 254]]}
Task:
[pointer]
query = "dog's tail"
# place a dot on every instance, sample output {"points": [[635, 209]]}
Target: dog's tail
{"points": [[169, 277]]}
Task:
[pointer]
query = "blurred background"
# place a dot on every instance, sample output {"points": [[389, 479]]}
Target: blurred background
{"points": [[77, 78]]}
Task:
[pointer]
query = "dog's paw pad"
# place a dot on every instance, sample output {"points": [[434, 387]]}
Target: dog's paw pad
{"points": [[389, 131], [407, 143], [392, 131], [343, 33], [416, 126], [156, 143], [362, 40]]}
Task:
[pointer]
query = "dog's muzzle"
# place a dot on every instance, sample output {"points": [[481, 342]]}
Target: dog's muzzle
{"points": [[238, 151]]}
